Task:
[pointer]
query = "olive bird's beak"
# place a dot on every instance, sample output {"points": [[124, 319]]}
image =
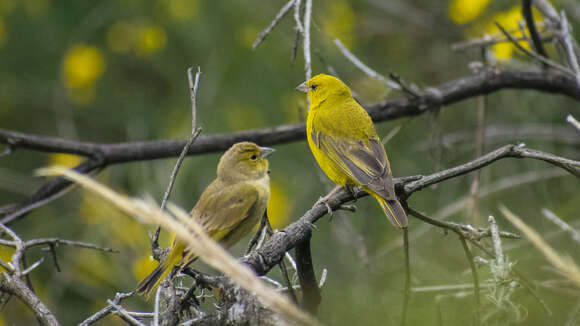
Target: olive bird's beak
{"points": [[266, 151], [302, 87]]}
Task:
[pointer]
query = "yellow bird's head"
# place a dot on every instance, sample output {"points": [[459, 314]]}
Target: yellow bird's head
{"points": [[320, 87], [244, 161]]}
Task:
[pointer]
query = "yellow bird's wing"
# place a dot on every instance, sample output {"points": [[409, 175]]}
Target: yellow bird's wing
{"points": [[364, 161]]}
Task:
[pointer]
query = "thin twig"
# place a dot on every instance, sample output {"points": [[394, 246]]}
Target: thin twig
{"points": [[57, 241], [489, 40], [476, 304], [567, 39], [284, 271], [262, 36], [306, 43], [534, 55], [156, 307], [193, 86], [106, 310], [32, 267], [529, 18], [407, 288], [127, 317], [364, 68], [299, 26], [563, 225], [495, 239], [464, 230], [479, 144], [573, 121]]}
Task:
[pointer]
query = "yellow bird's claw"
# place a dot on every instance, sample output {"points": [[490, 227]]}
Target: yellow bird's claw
{"points": [[322, 201]]}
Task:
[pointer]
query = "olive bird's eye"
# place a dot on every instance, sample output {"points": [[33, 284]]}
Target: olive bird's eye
{"points": [[253, 157], [313, 87]]}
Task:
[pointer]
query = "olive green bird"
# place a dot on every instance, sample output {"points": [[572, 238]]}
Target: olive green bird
{"points": [[228, 209], [344, 142]]}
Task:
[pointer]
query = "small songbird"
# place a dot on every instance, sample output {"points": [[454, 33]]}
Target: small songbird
{"points": [[343, 139], [228, 209]]}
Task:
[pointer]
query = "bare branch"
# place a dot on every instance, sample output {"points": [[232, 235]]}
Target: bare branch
{"points": [[193, 86], [573, 121], [485, 82], [569, 46], [534, 55], [262, 260], [299, 26], [561, 224], [262, 36], [407, 293], [107, 310], [364, 68], [17, 287], [529, 18], [476, 304], [310, 291], [57, 241], [306, 43]]}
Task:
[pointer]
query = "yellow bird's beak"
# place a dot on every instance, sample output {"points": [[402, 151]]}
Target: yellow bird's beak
{"points": [[302, 87], [266, 151]]}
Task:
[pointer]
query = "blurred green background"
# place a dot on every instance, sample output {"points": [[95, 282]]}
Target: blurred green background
{"points": [[114, 71]]}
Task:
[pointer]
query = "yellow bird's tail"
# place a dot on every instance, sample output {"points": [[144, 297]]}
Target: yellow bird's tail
{"points": [[150, 283], [394, 211]]}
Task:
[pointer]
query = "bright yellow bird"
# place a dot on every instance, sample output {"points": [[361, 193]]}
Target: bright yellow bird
{"points": [[228, 209], [345, 144]]}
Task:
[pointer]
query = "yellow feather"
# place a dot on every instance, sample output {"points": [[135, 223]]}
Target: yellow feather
{"points": [[228, 209], [344, 142]]}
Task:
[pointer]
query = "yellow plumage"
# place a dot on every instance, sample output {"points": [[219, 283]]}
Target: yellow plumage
{"points": [[344, 142], [228, 209]]}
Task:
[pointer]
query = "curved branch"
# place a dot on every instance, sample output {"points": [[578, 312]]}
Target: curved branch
{"points": [[485, 82], [265, 258], [17, 287]]}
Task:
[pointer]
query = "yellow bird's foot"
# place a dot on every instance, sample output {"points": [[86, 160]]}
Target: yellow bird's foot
{"points": [[323, 201]]}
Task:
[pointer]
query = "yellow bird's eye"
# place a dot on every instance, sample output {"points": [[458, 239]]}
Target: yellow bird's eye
{"points": [[313, 87], [253, 157]]}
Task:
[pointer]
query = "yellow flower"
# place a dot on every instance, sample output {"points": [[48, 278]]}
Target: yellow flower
{"points": [[181, 10], [151, 39], [340, 22], [463, 11], [278, 206], [68, 160], [83, 64], [509, 21], [6, 254], [121, 37]]}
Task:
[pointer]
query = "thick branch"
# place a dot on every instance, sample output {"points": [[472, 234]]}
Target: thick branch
{"points": [[310, 291], [485, 82], [18, 288], [262, 260]]}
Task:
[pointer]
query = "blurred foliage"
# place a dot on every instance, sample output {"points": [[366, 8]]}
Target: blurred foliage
{"points": [[115, 70]]}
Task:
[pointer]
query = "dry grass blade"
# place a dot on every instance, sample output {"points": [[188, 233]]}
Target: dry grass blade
{"points": [[194, 236], [565, 265]]}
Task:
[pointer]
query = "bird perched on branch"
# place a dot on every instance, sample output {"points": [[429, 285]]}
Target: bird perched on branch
{"points": [[228, 209], [345, 144]]}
